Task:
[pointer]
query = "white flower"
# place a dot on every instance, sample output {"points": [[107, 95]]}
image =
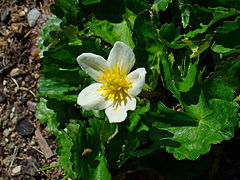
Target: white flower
{"points": [[115, 89]]}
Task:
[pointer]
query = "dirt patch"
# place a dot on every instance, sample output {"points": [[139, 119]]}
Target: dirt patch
{"points": [[23, 138]]}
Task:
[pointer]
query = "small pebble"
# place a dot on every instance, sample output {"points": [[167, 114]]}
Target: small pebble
{"points": [[22, 13], [23, 83], [16, 171], [13, 135], [36, 76], [6, 132], [14, 120], [32, 143], [25, 9], [5, 90], [15, 72], [4, 82], [10, 130], [12, 113], [32, 106], [9, 40], [33, 16], [38, 65]]}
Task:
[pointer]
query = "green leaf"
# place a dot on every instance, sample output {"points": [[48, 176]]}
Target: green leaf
{"points": [[172, 118], [217, 89], [229, 26], [112, 32], [101, 172], [89, 2], [65, 145], [166, 76], [86, 151], [131, 134], [160, 5], [169, 32], [229, 70], [185, 14], [56, 88], [46, 115], [108, 132], [68, 11], [198, 46], [57, 115], [216, 121], [45, 40], [92, 166], [187, 77], [137, 5], [110, 10], [183, 169], [218, 48], [218, 14], [228, 30], [148, 50], [135, 116], [212, 129], [170, 36]]}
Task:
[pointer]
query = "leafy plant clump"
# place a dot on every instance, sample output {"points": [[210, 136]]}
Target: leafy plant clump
{"points": [[189, 102]]}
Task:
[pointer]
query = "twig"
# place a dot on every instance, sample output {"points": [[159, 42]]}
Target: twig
{"points": [[38, 150], [48, 167], [15, 82], [1, 108], [27, 34], [14, 157], [25, 89], [19, 158]]}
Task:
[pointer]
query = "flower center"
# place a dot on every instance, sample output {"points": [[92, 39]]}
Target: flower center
{"points": [[114, 84]]}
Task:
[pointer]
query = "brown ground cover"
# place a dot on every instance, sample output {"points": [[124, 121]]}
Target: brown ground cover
{"points": [[24, 144]]}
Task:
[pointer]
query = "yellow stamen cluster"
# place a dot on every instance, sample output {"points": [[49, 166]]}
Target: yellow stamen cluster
{"points": [[114, 84]]}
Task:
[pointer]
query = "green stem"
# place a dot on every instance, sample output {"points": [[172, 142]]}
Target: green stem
{"points": [[46, 168], [65, 177]]}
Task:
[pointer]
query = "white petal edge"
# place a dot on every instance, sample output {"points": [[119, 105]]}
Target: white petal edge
{"points": [[137, 79], [123, 56], [92, 64], [91, 99], [120, 113]]}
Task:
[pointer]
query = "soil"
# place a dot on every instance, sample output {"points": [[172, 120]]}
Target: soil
{"points": [[24, 144]]}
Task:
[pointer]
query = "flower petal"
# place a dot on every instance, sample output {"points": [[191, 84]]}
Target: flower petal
{"points": [[91, 99], [119, 114], [123, 56], [137, 78], [92, 64]]}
